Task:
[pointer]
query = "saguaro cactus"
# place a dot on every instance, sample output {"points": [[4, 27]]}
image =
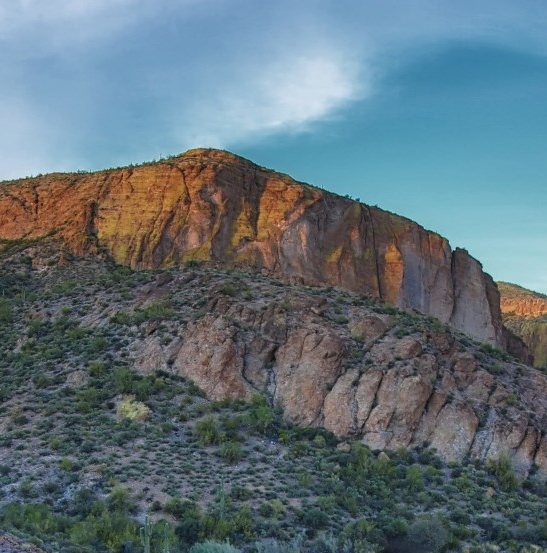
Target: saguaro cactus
{"points": [[146, 532]]}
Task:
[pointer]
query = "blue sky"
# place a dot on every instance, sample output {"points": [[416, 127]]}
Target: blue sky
{"points": [[433, 109]]}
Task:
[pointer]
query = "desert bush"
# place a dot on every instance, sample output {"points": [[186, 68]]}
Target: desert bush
{"points": [[6, 313], [425, 535], [315, 518], [213, 547], [206, 431], [502, 469], [120, 501], [32, 519], [130, 408], [156, 311], [231, 452], [111, 531]]}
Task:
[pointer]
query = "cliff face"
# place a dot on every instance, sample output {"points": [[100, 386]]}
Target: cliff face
{"points": [[348, 364], [519, 301], [328, 358], [525, 315], [212, 205]]}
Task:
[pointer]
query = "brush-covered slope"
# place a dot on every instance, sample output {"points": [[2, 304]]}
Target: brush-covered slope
{"points": [[101, 419], [325, 357], [213, 205], [525, 314]]}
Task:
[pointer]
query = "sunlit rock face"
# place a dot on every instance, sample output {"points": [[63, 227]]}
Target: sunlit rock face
{"points": [[215, 206], [525, 314]]}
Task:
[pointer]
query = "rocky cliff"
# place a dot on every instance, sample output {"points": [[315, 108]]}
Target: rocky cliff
{"points": [[355, 367], [516, 300], [213, 205], [329, 358], [525, 315]]}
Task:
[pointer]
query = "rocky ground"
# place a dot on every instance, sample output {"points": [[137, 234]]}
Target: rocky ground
{"points": [[11, 544]]}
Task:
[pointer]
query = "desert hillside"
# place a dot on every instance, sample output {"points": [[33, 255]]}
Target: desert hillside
{"points": [[201, 350], [211, 205], [232, 405], [525, 314]]}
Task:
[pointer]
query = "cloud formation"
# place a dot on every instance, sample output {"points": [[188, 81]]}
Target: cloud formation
{"points": [[171, 74], [287, 94]]}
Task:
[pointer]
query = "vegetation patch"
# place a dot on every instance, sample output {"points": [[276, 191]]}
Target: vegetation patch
{"points": [[129, 408]]}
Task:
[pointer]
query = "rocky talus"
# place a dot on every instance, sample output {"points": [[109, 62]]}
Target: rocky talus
{"points": [[11, 544], [212, 205]]}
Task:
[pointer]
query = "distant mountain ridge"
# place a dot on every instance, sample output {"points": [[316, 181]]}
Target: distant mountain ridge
{"points": [[215, 206], [525, 314]]}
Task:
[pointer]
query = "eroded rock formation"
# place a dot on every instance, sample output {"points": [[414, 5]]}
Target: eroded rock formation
{"points": [[525, 315], [357, 369], [213, 205]]}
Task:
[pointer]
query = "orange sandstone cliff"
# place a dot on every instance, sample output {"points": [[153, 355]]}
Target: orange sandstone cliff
{"points": [[213, 205]]}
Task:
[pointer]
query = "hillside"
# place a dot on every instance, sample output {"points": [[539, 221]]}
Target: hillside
{"points": [[102, 420], [525, 314], [239, 356], [211, 205]]}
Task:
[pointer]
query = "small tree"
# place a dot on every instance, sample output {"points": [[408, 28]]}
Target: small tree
{"points": [[502, 469]]}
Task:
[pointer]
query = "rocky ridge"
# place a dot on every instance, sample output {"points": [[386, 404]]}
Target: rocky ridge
{"points": [[356, 368], [516, 300], [212, 205], [328, 358], [525, 315]]}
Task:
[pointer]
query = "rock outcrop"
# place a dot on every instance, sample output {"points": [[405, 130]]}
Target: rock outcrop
{"points": [[515, 300], [525, 316], [329, 358], [12, 544], [212, 205], [389, 379]]}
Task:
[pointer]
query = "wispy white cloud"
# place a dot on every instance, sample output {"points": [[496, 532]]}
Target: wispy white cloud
{"points": [[58, 24], [61, 21], [287, 94], [342, 57], [215, 72]]}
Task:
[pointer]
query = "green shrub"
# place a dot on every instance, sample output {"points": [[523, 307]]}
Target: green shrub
{"points": [[97, 369], [213, 547], [426, 535], [414, 479], [130, 408], [34, 519], [315, 518], [6, 313], [113, 531], [231, 452], [180, 508], [121, 318], [156, 311], [120, 501], [68, 465], [228, 290], [122, 379], [206, 431], [502, 469]]}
